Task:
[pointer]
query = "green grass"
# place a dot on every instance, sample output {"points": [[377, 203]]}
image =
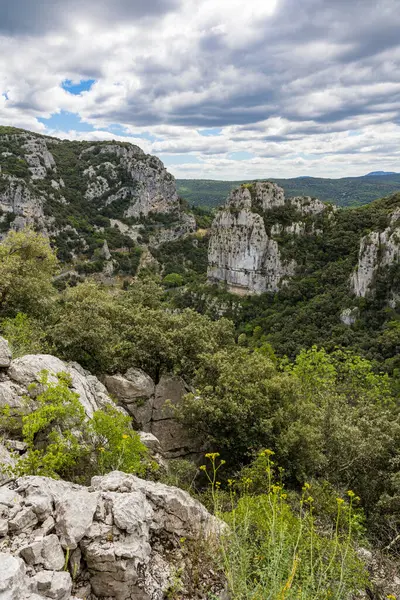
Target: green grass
{"points": [[274, 550]]}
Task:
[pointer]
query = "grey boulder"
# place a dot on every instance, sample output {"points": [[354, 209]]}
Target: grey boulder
{"points": [[5, 354]]}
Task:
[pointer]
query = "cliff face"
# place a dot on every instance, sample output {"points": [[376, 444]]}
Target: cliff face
{"points": [[245, 248], [260, 240], [45, 182], [377, 251]]}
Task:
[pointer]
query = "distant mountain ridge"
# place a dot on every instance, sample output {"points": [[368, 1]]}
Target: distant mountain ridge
{"points": [[380, 173], [347, 191]]}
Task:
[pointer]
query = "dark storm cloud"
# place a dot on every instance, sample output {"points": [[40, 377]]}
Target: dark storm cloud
{"points": [[40, 16]]}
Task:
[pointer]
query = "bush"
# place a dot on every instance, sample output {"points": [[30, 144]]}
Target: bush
{"points": [[27, 266], [63, 443], [173, 280], [25, 335]]}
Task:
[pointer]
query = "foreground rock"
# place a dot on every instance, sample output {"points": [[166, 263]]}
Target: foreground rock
{"points": [[152, 409], [5, 354], [148, 404], [21, 372], [120, 538]]}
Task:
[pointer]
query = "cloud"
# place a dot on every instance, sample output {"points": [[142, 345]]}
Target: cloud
{"points": [[291, 88], [39, 16]]}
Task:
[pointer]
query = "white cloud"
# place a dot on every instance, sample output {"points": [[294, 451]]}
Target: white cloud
{"points": [[306, 89]]}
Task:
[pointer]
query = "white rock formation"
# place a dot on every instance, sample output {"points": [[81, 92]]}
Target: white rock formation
{"points": [[308, 206], [349, 316], [20, 201], [377, 250], [5, 354], [96, 188], [267, 195], [153, 189], [240, 251], [23, 371], [184, 226], [38, 157], [119, 539]]}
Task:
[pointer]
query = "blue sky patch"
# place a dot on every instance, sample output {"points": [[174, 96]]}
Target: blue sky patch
{"points": [[210, 132], [77, 88], [65, 121], [178, 159], [240, 155]]}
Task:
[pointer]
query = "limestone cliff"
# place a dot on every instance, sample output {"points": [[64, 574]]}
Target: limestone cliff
{"points": [[378, 249], [48, 183], [246, 249]]}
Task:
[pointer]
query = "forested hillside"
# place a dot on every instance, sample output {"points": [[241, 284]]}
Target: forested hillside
{"points": [[348, 191], [318, 304], [96, 200]]}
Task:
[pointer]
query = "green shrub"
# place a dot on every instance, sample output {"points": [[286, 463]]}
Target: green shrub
{"points": [[118, 446], [27, 266], [25, 335], [63, 443], [173, 280]]}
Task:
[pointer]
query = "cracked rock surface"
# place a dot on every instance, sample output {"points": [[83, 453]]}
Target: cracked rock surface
{"points": [[118, 538]]}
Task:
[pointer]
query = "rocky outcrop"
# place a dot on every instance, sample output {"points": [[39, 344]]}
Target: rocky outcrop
{"points": [[19, 204], [38, 156], [5, 354], [7, 460], [349, 316], [244, 250], [119, 538], [114, 177], [377, 250], [149, 405], [153, 189], [184, 226], [307, 205], [15, 384], [152, 409]]}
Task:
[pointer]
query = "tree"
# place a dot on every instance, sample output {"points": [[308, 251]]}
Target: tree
{"points": [[85, 329], [240, 403], [109, 330], [27, 267], [173, 280]]}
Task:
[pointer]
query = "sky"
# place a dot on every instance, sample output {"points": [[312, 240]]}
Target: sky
{"points": [[218, 89]]}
